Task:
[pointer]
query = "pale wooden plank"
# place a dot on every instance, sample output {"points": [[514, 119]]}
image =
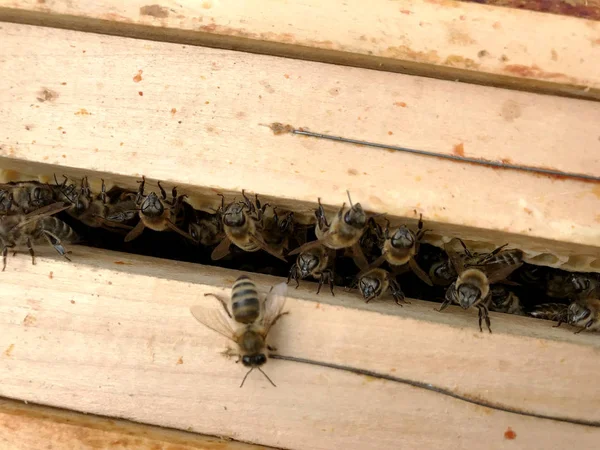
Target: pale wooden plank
{"points": [[440, 38], [199, 120], [29, 427], [117, 339]]}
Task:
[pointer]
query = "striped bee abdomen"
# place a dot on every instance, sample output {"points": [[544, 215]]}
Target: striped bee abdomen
{"points": [[245, 304]]}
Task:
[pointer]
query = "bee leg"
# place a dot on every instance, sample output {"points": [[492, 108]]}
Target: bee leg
{"points": [[4, 256], [140, 192], [444, 305], [31, 252], [294, 274], [271, 348], [54, 241], [223, 302], [277, 317], [321, 217], [327, 277], [587, 325], [558, 324], [103, 191], [397, 292], [483, 313]]}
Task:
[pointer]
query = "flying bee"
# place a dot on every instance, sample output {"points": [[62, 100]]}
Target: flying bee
{"points": [[158, 214], [242, 223], [36, 227], [472, 287], [344, 231], [376, 282], [24, 196], [313, 262], [504, 300], [400, 247], [253, 320]]}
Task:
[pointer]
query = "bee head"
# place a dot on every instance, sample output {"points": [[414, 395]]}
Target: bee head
{"points": [[576, 313], [152, 206], [369, 287], [442, 272], [580, 283], [403, 238], [234, 215], [254, 360], [467, 295], [355, 216], [40, 196], [307, 263]]}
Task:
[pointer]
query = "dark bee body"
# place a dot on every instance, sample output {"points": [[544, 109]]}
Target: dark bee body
{"points": [[475, 274], [376, 282], [585, 313], [158, 214], [504, 300], [242, 223], [557, 312], [24, 196], [36, 227], [254, 319], [313, 262], [344, 231], [205, 228]]}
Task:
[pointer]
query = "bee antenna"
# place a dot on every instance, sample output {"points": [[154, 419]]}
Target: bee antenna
{"points": [[246, 376], [267, 377], [349, 199]]}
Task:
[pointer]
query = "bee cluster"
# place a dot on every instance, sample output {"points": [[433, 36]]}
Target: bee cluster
{"points": [[349, 249]]}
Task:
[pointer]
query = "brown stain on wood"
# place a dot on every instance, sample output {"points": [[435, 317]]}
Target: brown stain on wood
{"points": [[596, 191], [46, 95], [352, 172], [279, 128], [123, 263], [509, 434], [585, 9], [140, 93], [180, 360], [400, 104], [9, 350], [459, 149], [29, 320], [459, 37], [267, 86], [83, 112], [51, 275], [138, 77], [173, 111], [510, 111], [461, 61], [535, 71], [160, 12]]}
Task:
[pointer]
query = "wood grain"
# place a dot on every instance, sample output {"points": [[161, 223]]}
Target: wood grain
{"points": [[199, 123], [34, 427], [112, 334], [439, 38]]}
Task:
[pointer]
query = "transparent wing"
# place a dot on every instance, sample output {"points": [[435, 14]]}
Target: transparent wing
{"points": [[456, 259], [44, 211], [215, 319], [274, 305], [498, 271], [304, 247], [266, 247], [221, 250]]}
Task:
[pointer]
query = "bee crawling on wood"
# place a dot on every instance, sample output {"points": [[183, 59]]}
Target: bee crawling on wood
{"points": [[472, 288], [313, 262], [583, 312], [374, 283], [36, 227], [253, 320], [243, 226], [344, 231], [157, 213], [557, 312]]}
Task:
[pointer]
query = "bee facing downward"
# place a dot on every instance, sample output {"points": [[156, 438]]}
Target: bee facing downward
{"points": [[254, 319]]}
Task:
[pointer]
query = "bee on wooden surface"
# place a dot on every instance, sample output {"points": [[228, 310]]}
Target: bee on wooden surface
{"points": [[313, 262], [472, 288], [585, 313], [24, 196], [344, 231], [157, 213], [36, 227], [242, 223], [504, 300], [107, 210], [249, 321], [400, 247], [376, 282], [557, 312]]}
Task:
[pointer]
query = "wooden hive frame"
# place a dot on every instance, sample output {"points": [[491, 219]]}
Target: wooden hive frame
{"points": [[118, 91]]}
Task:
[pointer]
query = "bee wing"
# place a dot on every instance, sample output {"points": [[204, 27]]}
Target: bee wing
{"points": [[379, 261], [178, 230], [419, 272], [498, 271], [44, 211], [273, 305], [137, 230], [305, 247], [221, 250], [456, 259], [214, 319], [266, 247]]}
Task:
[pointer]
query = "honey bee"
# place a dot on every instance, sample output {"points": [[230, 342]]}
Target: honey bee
{"points": [[584, 284], [98, 212], [504, 300], [344, 231], [585, 313], [36, 227], [376, 282], [24, 196], [253, 320], [156, 213], [275, 231], [313, 262], [472, 288], [242, 223], [557, 312], [401, 246], [205, 228]]}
